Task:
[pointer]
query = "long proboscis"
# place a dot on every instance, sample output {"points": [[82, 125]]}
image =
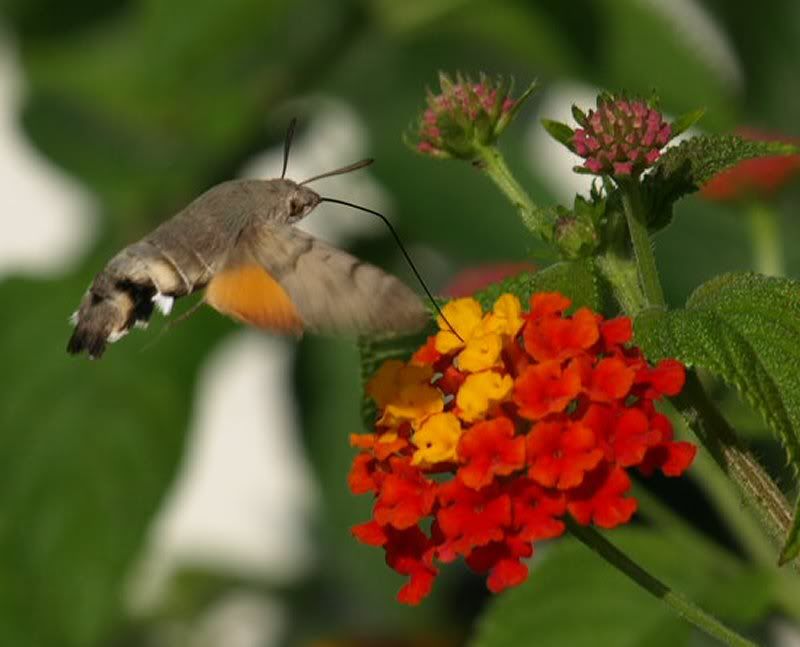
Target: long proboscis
{"points": [[341, 171], [402, 247]]}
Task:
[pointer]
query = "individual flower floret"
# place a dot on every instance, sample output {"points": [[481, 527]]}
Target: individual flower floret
{"points": [[499, 450]]}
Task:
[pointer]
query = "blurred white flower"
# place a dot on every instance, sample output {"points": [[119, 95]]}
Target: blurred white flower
{"points": [[244, 495], [48, 218]]}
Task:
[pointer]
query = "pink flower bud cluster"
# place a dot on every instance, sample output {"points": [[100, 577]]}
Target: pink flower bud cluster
{"points": [[465, 114], [621, 137]]}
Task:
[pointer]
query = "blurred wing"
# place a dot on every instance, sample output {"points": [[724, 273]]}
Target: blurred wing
{"points": [[282, 279]]}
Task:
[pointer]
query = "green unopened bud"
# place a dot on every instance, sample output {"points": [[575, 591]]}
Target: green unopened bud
{"points": [[575, 237]]}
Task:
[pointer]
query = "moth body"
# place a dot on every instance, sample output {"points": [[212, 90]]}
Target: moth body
{"points": [[237, 241]]}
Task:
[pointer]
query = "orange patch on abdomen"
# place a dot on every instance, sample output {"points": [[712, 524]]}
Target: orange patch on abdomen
{"points": [[250, 295]]}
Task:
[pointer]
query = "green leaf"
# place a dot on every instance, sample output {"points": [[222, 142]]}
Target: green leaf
{"points": [[558, 131], [578, 280], [791, 546], [745, 329], [87, 451], [508, 117], [579, 116], [686, 167], [686, 121], [570, 582]]}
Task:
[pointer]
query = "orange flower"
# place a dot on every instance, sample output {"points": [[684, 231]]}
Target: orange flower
{"points": [[484, 443]]}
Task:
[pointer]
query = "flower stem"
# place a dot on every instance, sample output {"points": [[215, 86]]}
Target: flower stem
{"points": [[676, 602], [624, 279], [642, 247], [537, 220], [739, 464], [765, 233]]}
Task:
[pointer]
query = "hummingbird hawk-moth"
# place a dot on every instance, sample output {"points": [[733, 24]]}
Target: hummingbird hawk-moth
{"points": [[237, 241]]}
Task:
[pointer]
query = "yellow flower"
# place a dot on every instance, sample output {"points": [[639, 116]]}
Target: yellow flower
{"points": [[404, 392], [480, 391], [465, 315], [506, 316], [413, 403], [437, 440], [480, 353]]}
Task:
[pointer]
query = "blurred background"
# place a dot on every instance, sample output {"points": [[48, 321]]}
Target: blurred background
{"points": [[190, 489]]}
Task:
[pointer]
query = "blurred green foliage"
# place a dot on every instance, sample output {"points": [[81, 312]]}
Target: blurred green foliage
{"points": [[150, 102]]}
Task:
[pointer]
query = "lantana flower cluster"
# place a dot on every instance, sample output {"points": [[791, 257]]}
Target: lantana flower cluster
{"points": [[487, 438], [620, 137], [464, 115]]}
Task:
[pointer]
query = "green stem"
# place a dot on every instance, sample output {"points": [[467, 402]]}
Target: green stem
{"points": [[623, 277], [765, 232], [728, 501], [676, 602], [640, 238], [735, 460], [491, 161], [687, 539]]}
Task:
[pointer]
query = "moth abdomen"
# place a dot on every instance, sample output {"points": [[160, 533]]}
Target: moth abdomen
{"points": [[101, 319], [123, 295]]}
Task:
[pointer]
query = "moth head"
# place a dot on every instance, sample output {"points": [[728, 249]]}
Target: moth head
{"points": [[298, 201]]}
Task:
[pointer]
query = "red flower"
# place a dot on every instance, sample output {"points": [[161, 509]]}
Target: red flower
{"points": [[409, 552], [552, 337], [666, 378], [548, 304], [610, 380], [405, 496], [546, 388], [488, 449], [470, 518], [427, 354], [535, 510], [501, 561], [760, 176], [487, 485], [616, 331], [559, 455], [672, 458], [633, 436], [362, 477], [600, 499]]}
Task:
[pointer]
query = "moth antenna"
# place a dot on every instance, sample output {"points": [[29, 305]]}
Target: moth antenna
{"points": [[287, 145], [173, 322], [405, 253], [340, 171]]}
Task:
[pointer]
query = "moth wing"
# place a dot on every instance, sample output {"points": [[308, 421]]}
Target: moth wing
{"points": [[280, 278]]}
